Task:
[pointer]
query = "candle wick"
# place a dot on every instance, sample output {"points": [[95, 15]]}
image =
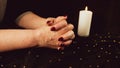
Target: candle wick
{"points": [[86, 8]]}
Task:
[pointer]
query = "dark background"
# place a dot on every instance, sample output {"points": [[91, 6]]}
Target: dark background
{"points": [[105, 26], [105, 12]]}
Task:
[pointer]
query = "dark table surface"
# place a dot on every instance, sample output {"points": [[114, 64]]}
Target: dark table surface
{"points": [[95, 51]]}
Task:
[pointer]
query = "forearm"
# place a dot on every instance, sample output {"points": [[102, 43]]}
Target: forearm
{"points": [[30, 20], [16, 39]]}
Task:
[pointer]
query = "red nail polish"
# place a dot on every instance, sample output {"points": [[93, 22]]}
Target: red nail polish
{"points": [[65, 16], [62, 48], [62, 45], [60, 39], [53, 29], [48, 22]]}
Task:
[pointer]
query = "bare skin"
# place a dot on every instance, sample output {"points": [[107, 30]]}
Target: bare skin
{"points": [[33, 21], [12, 39], [39, 34]]}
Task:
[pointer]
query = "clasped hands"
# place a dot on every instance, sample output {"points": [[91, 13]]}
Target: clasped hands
{"points": [[49, 32]]}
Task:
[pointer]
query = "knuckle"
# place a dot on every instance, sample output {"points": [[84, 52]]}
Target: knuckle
{"points": [[71, 26], [73, 36], [72, 32]]}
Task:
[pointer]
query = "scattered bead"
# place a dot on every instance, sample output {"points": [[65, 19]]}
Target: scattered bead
{"points": [[86, 45], [29, 52], [24, 66], [109, 53], [103, 40], [98, 66], [50, 61], [62, 53], [114, 41], [1, 65], [101, 48], [96, 44], [14, 66], [108, 60], [106, 52], [99, 56], [90, 66], [37, 56], [89, 50], [59, 60], [81, 59], [100, 37], [93, 45], [109, 45], [0, 57], [70, 67], [118, 42], [108, 33], [78, 47], [74, 52], [116, 57], [109, 36]]}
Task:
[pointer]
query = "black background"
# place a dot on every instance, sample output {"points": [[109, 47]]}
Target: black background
{"points": [[105, 13]]}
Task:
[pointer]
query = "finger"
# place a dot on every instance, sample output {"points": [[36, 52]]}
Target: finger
{"points": [[60, 48], [50, 21], [60, 18], [66, 29], [67, 36], [66, 43], [57, 44], [60, 25]]}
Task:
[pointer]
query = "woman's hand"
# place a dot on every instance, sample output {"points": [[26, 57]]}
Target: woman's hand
{"points": [[49, 32], [54, 39], [30, 20]]}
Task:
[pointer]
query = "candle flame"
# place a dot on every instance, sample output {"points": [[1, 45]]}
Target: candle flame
{"points": [[86, 8]]}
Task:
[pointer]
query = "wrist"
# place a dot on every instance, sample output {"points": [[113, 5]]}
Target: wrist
{"points": [[36, 35], [30, 20], [22, 15], [33, 41]]}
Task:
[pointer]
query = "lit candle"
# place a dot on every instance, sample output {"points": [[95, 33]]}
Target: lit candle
{"points": [[84, 22]]}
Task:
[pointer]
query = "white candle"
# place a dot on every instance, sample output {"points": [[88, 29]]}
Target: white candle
{"points": [[84, 22]]}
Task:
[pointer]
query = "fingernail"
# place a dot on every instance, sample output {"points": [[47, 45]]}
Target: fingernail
{"points": [[62, 45], [48, 22], [53, 29], [60, 48], [65, 16], [61, 39]]}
